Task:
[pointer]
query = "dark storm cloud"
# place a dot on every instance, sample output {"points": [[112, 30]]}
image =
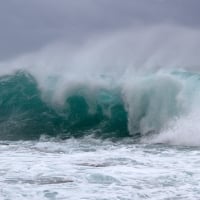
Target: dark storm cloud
{"points": [[27, 25]]}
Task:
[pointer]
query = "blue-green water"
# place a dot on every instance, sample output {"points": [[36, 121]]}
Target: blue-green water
{"points": [[146, 106]]}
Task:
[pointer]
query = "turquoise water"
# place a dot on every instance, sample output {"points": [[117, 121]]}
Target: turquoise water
{"points": [[145, 107]]}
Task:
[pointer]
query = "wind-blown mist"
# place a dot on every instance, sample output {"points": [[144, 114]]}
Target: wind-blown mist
{"points": [[133, 82]]}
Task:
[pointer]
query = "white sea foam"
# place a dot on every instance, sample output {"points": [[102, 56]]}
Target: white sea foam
{"points": [[93, 169]]}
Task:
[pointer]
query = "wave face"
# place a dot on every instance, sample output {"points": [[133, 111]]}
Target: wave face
{"points": [[146, 105], [25, 115]]}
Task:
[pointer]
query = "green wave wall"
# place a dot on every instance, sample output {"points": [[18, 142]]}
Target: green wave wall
{"points": [[25, 115], [148, 105]]}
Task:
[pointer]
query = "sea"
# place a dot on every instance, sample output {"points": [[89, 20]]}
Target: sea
{"points": [[103, 138]]}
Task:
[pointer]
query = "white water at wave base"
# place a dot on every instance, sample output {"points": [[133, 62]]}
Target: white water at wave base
{"points": [[96, 170]]}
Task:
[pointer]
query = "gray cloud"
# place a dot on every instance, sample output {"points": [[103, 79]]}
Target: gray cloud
{"points": [[29, 25]]}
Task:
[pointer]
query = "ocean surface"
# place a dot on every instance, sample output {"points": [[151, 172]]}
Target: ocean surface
{"points": [[100, 137], [90, 168]]}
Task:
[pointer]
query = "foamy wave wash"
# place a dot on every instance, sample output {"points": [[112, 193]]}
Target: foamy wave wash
{"points": [[133, 83]]}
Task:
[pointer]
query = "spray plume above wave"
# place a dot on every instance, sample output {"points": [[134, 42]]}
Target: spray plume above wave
{"points": [[131, 83]]}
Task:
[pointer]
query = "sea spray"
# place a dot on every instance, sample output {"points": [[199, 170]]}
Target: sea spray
{"points": [[130, 83]]}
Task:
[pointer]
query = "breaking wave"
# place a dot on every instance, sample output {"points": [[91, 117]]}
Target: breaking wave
{"points": [[144, 106], [142, 83]]}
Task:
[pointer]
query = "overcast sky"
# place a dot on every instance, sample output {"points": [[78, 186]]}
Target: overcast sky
{"points": [[27, 25]]}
